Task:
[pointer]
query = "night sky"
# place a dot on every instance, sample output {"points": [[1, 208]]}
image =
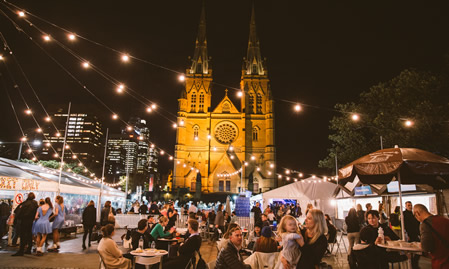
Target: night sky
{"points": [[318, 53]]}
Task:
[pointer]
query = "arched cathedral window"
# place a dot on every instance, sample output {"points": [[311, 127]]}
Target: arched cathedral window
{"points": [[196, 130], [255, 134]]}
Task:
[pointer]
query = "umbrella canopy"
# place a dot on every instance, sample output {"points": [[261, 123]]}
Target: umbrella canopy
{"points": [[414, 165]]}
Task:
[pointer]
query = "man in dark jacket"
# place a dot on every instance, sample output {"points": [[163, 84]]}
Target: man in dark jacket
{"points": [[229, 257], [186, 250], [153, 208], [412, 228], [257, 213], [143, 209], [136, 235], [89, 221], [26, 215]]}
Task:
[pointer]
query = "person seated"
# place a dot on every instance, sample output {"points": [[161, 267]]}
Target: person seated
{"points": [[331, 232], [270, 216], [266, 243], [187, 249], [136, 235], [151, 223], [252, 237], [229, 257], [223, 242], [158, 232], [265, 221], [110, 253], [370, 235]]}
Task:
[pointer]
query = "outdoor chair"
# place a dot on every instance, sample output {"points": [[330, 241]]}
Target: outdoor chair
{"points": [[260, 260], [102, 264], [147, 261]]}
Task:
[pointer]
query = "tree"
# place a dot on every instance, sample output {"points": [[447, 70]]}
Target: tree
{"points": [[420, 97]]}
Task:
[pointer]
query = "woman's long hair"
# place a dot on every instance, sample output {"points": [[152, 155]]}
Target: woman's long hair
{"points": [[231, 226], [91, 203], [266, 243], [352, 215], [59, 199], [320, 227], [48, 202]]}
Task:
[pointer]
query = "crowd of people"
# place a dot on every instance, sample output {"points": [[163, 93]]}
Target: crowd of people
{"points": [[300, 245]]}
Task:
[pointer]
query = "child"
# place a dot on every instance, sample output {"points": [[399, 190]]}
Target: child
{"points": [[291, 241]]}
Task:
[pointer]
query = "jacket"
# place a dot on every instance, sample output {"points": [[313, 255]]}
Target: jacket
{"points": [[104, 215], [27, 211], [89, 216], [112, 256], [230, 258], [186, 252], [219, 219]]}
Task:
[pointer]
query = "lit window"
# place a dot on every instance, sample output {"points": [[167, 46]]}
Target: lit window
{"points": [[251, 103], [193, 102], [259, 103], [255, 134], [201, 105]]}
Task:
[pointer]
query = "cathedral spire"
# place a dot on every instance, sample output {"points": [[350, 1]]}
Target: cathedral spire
{"points": [[200, 61], [253, 62]]}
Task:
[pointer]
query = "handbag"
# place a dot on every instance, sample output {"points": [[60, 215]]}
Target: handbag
{"points": [[52, 217], [111, 217]]}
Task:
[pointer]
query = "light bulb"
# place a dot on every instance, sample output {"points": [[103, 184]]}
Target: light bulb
{"points": [[28, 111], [125, 58], [48, 144], [287, 172], [149, 109], [355, 117], [271, 165], [46, 37], [114, 116], [181, 78], [86, 64], [129, 128], [298, 107], [175, 125], [153, 106], [21, 14], [253, 158], [409, 123], [240, 93], [279, 176], [181, 123], [47, 119], [71, 37], [170, 158], [58, 134], [39, 130]]}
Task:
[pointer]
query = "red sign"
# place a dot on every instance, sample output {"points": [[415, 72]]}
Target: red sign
{"points": [[18, 199]]}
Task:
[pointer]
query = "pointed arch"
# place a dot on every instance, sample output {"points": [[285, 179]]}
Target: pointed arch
{"points": [[196, 130], [255, 133], [251, 102]]}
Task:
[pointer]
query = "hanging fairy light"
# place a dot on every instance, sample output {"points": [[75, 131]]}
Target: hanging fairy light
{"points": [[1, 57], [181, 78], [153, 106], [287, 172], [355, 117], [140, 137], [34, 159], [48, 144], [149, 109], [271, 165], [280, 176], [46, 38], [298, 107], [21, 14], [71, 37], [231, 148], [161, 152], [23, 139], [120, 88], [300, 174], [129, 128], [58, 134], [170, 158], [253, 158], [125, 58], [258, 169], [175, 125], [67, 146], [56, 155], [47, 119], [28, 111], [86, 65], [209, 136], [409, 123], [181, 123], [239, 93], [38, 130], [114, 116]]}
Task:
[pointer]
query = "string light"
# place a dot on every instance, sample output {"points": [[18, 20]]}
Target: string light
{"points": [[409, 123], [46, 37], [125, 58], [38, 130], [181, 123], [48, 144], [170, 158], [1, 57], [175, 125], [287, 172], [86, 65], [114, 116], [120, 88], [21, 14], [71, 37], [149, 109], [280, 176], [58, 134], [161, 152], [355, 117], [153, 106], [231, 148], [240, 93], [129, 128], [67, 146], [298, 107], [181, 78], [140, 137], [253, 158], [28, 111], [23, 139], [47, 119]]}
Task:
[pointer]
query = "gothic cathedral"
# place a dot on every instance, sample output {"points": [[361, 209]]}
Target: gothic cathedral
{"points": [[215, 146]]}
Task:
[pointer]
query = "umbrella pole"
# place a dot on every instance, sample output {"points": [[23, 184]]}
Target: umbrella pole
{"points": [[400, 201]]}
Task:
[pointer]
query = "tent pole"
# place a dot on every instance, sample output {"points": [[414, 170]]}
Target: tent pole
{"points": [[400, 201]]}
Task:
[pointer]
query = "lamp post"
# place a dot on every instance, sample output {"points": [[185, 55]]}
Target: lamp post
{"points": [[63, 149]]}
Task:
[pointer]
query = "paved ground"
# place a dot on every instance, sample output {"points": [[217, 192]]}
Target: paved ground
{"points": [[71, 255]]}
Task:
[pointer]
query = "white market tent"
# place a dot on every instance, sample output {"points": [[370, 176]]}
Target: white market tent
{"points": [[315, 191]]}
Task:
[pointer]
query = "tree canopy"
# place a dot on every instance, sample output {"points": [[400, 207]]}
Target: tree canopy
{"points": [[420, 97]]}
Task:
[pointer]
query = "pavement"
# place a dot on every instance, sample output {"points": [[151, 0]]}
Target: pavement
{"points": [[71, 255]]}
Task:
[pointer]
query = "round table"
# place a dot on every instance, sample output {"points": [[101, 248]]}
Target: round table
{"points": [[158, 253], [169, 241], [400, 248]]}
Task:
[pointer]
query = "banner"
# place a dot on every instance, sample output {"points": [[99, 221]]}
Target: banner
{"points": [[151, 183]]}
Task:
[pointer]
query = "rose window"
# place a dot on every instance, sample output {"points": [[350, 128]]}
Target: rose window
{"points": [[226, 132]]}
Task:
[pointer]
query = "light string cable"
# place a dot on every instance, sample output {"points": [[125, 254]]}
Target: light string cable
{"points": [[37, 97], [80, 83]]}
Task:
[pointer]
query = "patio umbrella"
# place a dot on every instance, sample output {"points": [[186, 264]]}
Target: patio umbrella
{"points": [[407, 165], [228, 205]]}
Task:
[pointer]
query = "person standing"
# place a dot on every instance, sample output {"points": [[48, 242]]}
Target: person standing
{"points": [[154, 209], [369, 207], [42, 226], [315, 242], [411, 226], [105, 217], [434, 236], [353, 224], [361, 215], [382, 216], [26, 215], [257, 213], [59, 218], [89, 221], [219, 220], [143, 209]]}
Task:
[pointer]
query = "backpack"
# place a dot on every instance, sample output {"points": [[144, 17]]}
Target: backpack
{"points": [[394, 219]]}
